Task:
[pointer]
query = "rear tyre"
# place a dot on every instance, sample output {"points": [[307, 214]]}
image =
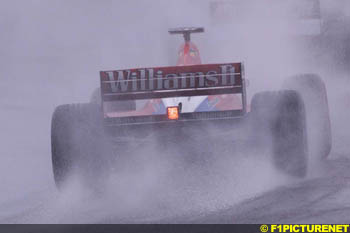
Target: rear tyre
{"points": [[279, 121], [78, 145], [313, 91]]}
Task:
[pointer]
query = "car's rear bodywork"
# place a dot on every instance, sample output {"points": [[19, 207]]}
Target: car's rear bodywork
{"points": [[155, 89]]}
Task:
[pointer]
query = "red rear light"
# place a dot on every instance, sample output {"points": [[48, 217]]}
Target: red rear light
{"points": [[173, 113]]}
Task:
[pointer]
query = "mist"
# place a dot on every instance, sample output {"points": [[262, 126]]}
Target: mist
{"points": [[51, 53]]}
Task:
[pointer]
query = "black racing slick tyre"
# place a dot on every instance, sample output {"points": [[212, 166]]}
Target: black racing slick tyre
{"points": [[279, 120], [313, 91], [78, 145]]}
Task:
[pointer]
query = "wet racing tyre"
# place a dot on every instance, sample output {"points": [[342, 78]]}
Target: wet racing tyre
{"points": [[313, 91], [279, 121], [78, 145]]}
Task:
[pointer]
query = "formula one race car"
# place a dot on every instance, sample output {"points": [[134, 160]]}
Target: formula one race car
{"points": [[178, 107]]}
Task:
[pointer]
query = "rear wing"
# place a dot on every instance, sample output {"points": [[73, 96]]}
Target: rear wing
{"points": [[186, 31], [173, 81]]}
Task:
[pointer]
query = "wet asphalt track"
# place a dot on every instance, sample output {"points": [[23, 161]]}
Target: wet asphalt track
{"points": [[323, 198]]}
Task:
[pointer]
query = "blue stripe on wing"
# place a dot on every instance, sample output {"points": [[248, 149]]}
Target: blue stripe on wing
{"points": [[206, 106], [159, 108]]}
